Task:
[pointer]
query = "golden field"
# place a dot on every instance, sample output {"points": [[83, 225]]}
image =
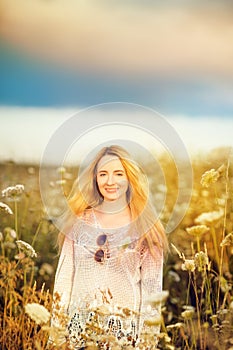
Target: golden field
{"points": [[197, 311]]}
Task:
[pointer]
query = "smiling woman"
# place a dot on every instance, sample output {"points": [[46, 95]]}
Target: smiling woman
{"points": [[112, 254]]}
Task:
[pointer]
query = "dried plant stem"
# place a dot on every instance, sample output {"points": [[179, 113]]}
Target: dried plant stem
{"points": [[223, 231], [198, 314], [188, 289], [213, 234], [198, 244], [36, 234], [16, 219]]}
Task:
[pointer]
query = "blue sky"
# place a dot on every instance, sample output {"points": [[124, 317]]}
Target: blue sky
{"points": [[27, 82]]}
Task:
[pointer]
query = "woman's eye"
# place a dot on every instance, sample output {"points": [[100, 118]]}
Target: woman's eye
{"points": [[120, 174], [101, 175]]}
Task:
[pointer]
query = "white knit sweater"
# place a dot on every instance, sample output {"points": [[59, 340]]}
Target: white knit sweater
{"points": [[130, 274]]}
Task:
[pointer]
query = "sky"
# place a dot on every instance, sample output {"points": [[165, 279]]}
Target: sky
{"points": [[61, 56]]}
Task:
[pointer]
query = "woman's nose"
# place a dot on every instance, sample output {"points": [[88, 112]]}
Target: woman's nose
{"points": [[110, 179]]}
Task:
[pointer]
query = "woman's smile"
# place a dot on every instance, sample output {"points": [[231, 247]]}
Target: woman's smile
{"points": [[111, 179]]}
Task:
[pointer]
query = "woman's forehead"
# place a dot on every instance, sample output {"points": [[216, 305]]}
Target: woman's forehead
{"points": [[108, 161]]}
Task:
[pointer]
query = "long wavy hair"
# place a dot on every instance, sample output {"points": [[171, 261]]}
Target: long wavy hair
{"points": [[85, 195]]}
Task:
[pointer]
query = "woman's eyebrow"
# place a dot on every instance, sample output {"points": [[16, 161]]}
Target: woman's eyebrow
{"points": [[115, 171]]}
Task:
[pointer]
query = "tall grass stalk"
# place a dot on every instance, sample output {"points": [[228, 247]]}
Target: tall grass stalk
{"points": [[223, 230], [16, 218]]}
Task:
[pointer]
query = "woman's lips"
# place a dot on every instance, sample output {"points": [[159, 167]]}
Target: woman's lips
{"points": [[111, 190]]}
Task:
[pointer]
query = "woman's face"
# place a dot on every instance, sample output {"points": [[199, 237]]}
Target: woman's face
{"points": [[111, 178]]}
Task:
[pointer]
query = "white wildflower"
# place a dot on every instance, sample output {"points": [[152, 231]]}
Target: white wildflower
{"points": [[61, 170], [13, 192], [197, 230], [188, 313], [174, 326], [205, 193], [10, 234], [209, 177], [156, 298], [209, 217], [46, 269], [61, 182], [26, 248], [31, 170], [188, 265], [37, 313], [201, 260], [162, 188], [13, 234], [163, 336], [153, 321], [4, 207]]}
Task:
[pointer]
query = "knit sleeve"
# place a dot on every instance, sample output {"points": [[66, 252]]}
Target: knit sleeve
{"points": [[64, 274], [151, 283]]}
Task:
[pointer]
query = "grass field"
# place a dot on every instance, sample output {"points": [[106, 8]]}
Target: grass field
{"points": [[198, 272]]}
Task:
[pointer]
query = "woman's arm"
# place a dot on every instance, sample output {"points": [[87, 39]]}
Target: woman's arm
{"points": [[151, 283], [63, 287], [64, 275]]}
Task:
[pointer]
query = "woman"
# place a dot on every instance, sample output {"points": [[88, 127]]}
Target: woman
{"points": [[112, 254]]}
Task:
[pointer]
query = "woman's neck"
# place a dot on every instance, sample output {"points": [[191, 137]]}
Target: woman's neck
{"points": [[113, 207], [113, 214]]}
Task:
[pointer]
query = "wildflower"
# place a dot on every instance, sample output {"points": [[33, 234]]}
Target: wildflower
{"points": [[209, 177], [26, 248], [13, 192], [157, 298], [201, 260], [5, 208], [197, 230], [46, 269], [188, 265], [174, 276], [20, 256], [164, 336], [162, 188], [209, 217], [228, 240], [31, 170], [153, 321], [37, 313], [10, 234], [175, 326], [188, 313], [9, 245], [13, 233], [205, 193], [221, 202], [61, 182], [225, 287], [61, 170]]}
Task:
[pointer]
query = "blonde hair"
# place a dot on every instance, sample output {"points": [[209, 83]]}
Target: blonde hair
{"points": [[85, 194]]}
